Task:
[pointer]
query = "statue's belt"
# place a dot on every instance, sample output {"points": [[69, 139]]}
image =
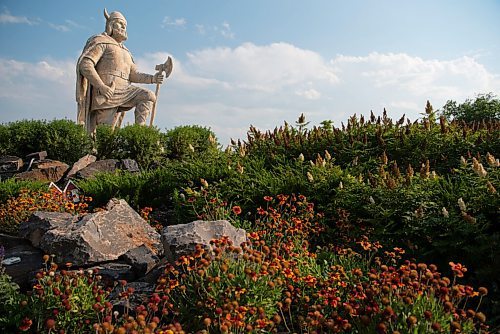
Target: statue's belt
{"points": [[119, 74]]}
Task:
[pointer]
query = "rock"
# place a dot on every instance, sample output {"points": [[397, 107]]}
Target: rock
{"points": [[155, 273], [45, 170], [10, 163], [22, 273], [114, 271], [107, 166], [97, 237], [130, 165], [179, 240], [37, 156], [142, 260], [140, 296], [40, 222], [101, 166], [81, 164]]}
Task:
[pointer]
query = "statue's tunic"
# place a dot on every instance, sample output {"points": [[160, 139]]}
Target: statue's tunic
{"points": [[113, 63]]}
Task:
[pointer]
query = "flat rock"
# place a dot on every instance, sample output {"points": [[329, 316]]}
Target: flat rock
{"points": [[96, 237], [22, 273], [45, 170], [179, 240], [114, 271]]}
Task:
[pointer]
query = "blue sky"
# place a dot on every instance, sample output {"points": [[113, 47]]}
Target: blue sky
{"points": [[242, 63]]}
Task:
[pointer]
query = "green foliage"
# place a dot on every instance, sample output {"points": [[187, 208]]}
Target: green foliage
{"points": [[5, 140], [484, 107], [9, 300], [65, 140], [104, 142], [62, 139], [141, 143], [190, 140], [24, 137], [69, 300], [12, 187]]}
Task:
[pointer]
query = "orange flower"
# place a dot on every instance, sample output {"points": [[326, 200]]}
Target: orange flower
{"points": [[458, 269], [25, 324], [236, 210]]}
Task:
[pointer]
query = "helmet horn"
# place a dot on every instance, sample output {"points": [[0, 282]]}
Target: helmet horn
{"points": [[106, 15]]}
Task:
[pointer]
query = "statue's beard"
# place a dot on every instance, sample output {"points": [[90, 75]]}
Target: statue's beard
{"points": [[120, 34]]}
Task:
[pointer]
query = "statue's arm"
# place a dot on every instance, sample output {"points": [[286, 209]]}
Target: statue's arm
{"points": [[138, 77], [87, 68]]}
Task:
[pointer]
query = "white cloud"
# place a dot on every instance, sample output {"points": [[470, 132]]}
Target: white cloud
{"points": [[228, 89], [311, 94], [418, 77], [261, 68], [225, 30], [177, 23], [59, 27], [7, 18], [44, 90], [201, 29], [214, 31]]}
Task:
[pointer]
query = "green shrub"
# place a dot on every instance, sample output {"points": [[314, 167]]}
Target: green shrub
{"points": [[484, 107], [63, 140], [190, 140], [104, 142], [5, 141], [25, 137], [144, 144]]}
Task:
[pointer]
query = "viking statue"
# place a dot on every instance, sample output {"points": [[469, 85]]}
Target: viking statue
{"points": [[104, 71]]}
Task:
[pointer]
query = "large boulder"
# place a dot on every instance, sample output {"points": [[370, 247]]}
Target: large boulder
{"points": [[101, 166], [45, 170], [97, 237], [107, 166], [179, 240]]}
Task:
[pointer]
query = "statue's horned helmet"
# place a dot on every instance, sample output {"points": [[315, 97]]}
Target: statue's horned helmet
{"points": [[110, 18]]}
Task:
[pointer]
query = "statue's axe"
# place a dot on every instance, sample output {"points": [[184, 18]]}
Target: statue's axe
{"points": [[166, 67]]}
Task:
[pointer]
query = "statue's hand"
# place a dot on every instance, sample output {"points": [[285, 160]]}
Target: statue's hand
{"points": [[106, 91], [158, 78]]}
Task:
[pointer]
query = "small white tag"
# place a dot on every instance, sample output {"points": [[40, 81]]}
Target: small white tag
{"points": [[11, 260]]}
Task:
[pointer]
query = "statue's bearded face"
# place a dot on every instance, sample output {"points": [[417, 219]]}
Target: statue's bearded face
{"points": [[119, 30]]}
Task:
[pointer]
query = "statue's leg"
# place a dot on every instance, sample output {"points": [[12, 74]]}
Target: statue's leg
{"points": [[92, 122], [104, 116], [144, 106]]}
